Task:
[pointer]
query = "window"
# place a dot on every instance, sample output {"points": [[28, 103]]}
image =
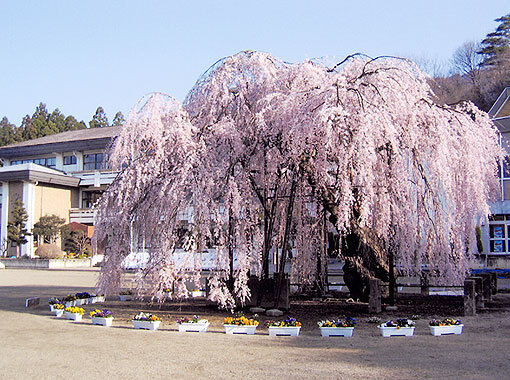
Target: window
{"points": [[69, 160], [89, 198], [93, 161], [49, 162], [499, 234], [506, 167]]}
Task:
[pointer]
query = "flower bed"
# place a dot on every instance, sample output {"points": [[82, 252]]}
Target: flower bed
{"points": [[74, 313], [146, 321], [193, 325], [69, 300], [53, 301], [338, 327], [101, 317], [58, 309], [288, 327], [240, 325], [400, 327], [82, 298], [448, 326]]}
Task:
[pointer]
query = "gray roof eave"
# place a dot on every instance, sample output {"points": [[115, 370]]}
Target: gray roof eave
{"points": [[57, 147], [33, 176]]}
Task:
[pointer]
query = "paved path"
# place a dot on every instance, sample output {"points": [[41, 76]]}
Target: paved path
{"points": [[36, 346]]}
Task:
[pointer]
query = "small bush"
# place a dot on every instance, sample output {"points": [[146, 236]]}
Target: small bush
{"points": [[49, 251]]}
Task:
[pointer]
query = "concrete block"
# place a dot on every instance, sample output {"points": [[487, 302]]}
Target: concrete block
{"points": [[32, 302], [469, 297], [374, 299], [274, 313]]}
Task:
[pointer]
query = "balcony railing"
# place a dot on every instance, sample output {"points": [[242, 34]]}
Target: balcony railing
{"points": [[82, 215], [96, 178]]}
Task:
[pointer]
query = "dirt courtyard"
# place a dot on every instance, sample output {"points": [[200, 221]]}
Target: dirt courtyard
{"points": [[34, 344]]}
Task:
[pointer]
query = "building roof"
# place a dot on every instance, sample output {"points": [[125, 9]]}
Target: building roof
{"points": [[503, 124], [501, 108], [33, 172], [83, 139]]}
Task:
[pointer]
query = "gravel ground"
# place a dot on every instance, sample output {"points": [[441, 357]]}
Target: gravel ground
{"points": [[36, 345]]}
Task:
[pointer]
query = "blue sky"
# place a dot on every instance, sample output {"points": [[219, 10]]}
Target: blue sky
{"points": [[79, 55]]}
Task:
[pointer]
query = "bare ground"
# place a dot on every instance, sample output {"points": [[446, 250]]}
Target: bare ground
{"points": [[36, 345]]}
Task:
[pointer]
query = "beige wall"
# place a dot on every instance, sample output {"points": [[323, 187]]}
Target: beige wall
{"points": [[52, 200]]}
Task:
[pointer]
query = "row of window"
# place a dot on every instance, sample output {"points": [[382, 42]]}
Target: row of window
{"points": [[499, 234], [92, 161], [49, 162]]}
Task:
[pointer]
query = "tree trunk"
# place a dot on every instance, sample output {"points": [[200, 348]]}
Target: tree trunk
{"points": [[322, 259], [392, 280], [285, 247], [363, 262], [364, 253], [231, 253]]}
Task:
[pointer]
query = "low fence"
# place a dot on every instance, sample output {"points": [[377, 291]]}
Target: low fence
{"points": [[51, 263]]}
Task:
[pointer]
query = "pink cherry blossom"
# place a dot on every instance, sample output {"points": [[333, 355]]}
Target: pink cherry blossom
{"points": [[365, 142]]}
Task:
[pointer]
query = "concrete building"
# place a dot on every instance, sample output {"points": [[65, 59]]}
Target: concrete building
{"points": [[61, 174], [496, 230]]}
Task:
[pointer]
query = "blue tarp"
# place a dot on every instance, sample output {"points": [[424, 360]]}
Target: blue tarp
{"points": [[501, 273]]}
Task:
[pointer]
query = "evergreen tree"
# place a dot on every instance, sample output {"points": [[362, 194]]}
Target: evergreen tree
{"points": [[40, 124], [497, 43], [48, 228], [8, 132], [99, 120], [56, 121], [16, 227], [118, 119], [75, 241], [71, 124]]}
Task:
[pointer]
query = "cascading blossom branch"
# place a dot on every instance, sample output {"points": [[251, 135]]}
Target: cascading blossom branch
{"points": [[263, 151]]}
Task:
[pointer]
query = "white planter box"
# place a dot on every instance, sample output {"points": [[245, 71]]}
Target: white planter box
{"points": [[92, 300], [284, 331], [395, 331], [193, 327], [74, 316], [197, 293], [58, 312], [146, 325], [79, 302], [446, 330], [235, 329], [125, 297], [52, 307], [70, 303], [102, 321], [99, 299], [337, 331]]}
